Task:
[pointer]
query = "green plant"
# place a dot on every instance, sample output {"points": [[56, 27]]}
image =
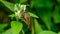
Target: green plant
{"points": [[37, 16]]}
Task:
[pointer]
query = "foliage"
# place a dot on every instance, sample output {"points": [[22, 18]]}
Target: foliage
{"points": [[40, 17]]}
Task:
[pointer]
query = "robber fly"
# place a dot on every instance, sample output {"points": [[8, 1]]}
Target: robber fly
{"points": [[26, 18]]}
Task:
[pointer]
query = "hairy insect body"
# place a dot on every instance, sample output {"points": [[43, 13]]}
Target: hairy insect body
{"points": [[26, 18]]}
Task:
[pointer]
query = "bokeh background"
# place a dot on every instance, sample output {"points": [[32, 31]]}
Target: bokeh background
{"points": [[48, 12]]}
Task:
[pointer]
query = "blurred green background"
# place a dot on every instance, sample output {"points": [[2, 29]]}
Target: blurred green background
{"points": [[45, 17]]}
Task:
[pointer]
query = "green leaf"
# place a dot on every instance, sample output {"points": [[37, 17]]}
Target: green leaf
{"points": [[37, 27], [0, 33], [22, 1], [42, 3], [8, 5], [2, 26], [45, 15], [47, 32], [56, 14], [58, 32], [33, 15], [12, 15], [58, 1], [44, 11], [16, 27], [9, 31]]}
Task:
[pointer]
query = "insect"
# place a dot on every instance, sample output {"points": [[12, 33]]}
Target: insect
{"points": [[26, 18]]}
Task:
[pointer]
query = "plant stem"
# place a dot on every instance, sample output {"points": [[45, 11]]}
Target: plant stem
{"points": [[32, 27], [23, 31]]}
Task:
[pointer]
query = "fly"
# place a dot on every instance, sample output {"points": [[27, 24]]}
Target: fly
{"points": [[26, 18]]}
